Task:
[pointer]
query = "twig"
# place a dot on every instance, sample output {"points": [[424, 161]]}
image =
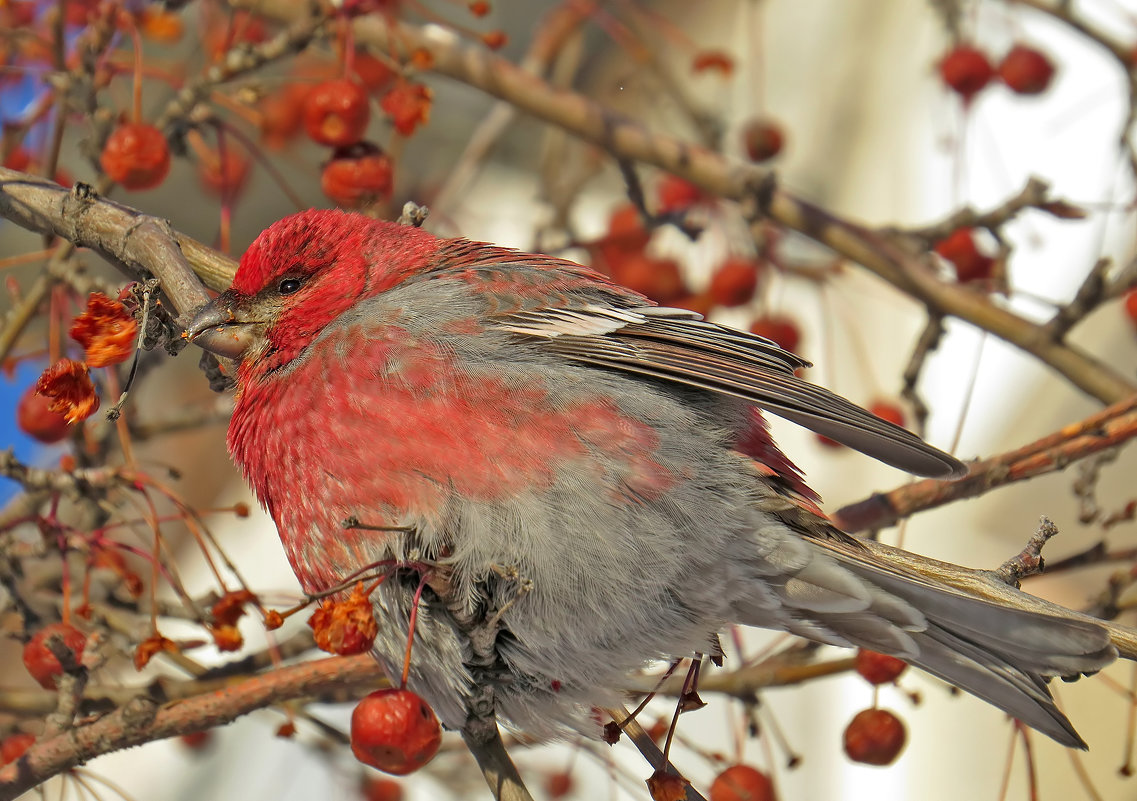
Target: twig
{"points": [[1028, 561]]}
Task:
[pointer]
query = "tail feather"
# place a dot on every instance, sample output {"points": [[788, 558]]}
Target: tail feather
{"points": [[1001, 654]]}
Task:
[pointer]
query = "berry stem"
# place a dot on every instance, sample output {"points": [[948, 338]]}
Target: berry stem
{"points": [[411, 632]]}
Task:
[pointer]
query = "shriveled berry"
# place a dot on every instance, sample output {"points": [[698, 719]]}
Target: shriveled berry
{"points": [[742, 783], [196, 740], [961, 249], [395, 731], [762, 139], [36, 419], [136, 155], [875, 737], [39, 659], [966, 70], [1025, 70], [665, 786], [337, 112], [878, 668]]}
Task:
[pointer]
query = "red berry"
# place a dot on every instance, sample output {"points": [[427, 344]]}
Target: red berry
{"points": [[887, 410], [1025, 70], [675, 194], [357, 176], [376, 788], [762, 139], [735, 281], [879, 668], [337, 112], [742, 783], [626, 229], [14, 746], [558, 785], [875, 737], [1131, 306], [36, 419], [395, 731], [658, 279], [136, 155], [962, 251], [782, 330], [39, 659], [966, 70]]}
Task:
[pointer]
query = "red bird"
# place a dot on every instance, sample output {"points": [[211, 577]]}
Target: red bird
{"points": [[582, 478]]}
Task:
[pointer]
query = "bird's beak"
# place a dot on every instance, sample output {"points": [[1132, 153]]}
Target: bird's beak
{"points": [[215, 328]]}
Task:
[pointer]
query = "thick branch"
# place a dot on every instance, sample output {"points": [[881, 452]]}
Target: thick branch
{"points": [[142, 721], [1106, 429]]}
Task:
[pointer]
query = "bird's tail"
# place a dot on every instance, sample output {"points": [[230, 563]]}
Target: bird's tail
{"points": [[1001, 654]]}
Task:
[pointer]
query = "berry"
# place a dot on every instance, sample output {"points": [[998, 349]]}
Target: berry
{"points": [[762, 139], [962, 251], [196, 740], [224, 175], [36, 419], [676, 194], [735, 281], [395, 731], [742, 783], [357, 176], [282, 115], [559, 784], [626, 229], [887, 410], [375, 74], [781, 330], [1025, 70], [136, 155], [14, 746], [1131, 306], [337, 112], [665, 786], [39, 659], [966, 70], [658, 279], [875, 737], [376, 788], [879, 668]]}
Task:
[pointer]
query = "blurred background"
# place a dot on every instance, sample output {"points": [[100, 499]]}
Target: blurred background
{"points": [[871, 134]]}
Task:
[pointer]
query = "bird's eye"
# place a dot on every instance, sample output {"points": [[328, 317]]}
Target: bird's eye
{"points": [[288, 286]]}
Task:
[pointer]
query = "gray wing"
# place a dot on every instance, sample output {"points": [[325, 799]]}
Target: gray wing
{"points": [[679, 346]]}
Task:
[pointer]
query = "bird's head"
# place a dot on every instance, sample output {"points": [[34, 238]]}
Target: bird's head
{"points": [[300, 274]]}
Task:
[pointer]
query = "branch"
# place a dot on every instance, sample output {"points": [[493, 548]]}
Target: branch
{"points": [[1106, 429], [627, 139], [141, 720]]}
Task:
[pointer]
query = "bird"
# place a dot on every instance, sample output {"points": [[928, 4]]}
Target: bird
{"points": [[568, 481]]}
